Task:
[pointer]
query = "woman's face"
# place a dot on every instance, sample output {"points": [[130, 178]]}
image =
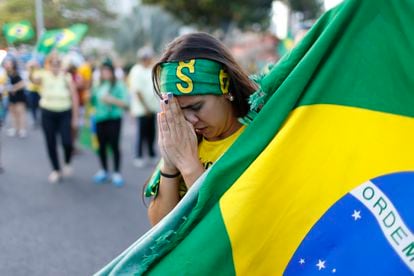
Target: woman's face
{"points": [[8, 66], [211, 116], [106, 73], [55, 65]]}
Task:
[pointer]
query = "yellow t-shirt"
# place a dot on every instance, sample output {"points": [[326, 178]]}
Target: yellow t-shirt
{"points": [[85, 71], [210, 151], [55, 92], [32, 87]]}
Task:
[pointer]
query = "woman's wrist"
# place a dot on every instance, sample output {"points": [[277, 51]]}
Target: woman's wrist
{"points": [[189, 165], [168, 169], [166, 175], [191, 172]]}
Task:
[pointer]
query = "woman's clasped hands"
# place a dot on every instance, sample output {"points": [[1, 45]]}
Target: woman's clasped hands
{"points": [[177, 138]]}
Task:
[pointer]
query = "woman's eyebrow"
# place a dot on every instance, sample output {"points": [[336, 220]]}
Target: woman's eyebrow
{"points": [[190, 105]]}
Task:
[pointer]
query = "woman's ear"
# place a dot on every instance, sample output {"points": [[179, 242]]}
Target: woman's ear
{"points": [[229, 97]]}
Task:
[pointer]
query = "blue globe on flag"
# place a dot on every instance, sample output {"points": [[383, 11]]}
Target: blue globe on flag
{"points": [[367, 232]]}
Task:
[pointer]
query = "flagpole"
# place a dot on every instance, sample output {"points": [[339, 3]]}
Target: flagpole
{"points": [[40, 25]]}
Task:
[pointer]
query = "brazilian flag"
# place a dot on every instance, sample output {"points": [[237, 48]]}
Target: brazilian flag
{"points": [[87, 133], [61, 39], [322, 179], [18, 31]]}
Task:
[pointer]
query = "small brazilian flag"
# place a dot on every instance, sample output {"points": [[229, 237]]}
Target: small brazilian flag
{"points": [[61, 39], [18, 31], [321, 182]]}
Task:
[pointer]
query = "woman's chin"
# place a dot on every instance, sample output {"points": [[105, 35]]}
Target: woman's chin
{"points": [[209, 136], [201, 131]]}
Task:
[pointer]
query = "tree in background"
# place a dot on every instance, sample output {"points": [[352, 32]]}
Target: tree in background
{"points": [[217, 14], [147, 25], [58, 14], [311, 9]]}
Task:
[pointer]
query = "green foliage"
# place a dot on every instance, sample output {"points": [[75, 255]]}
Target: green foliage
{"points": [[311, 9], [147, 25], [57, 14], [17, 10], [217, 13]]}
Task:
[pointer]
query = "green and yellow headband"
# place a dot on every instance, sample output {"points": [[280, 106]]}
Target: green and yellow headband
{"points": [[194, 77]]}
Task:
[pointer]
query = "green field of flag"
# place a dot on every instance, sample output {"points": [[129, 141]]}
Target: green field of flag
{"points": [[61, 39], [18, 31]]}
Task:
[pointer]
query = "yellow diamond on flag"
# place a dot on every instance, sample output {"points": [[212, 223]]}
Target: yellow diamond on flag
{"points": [[19, 31], [62, 39], [50, 41], [66, 37]]}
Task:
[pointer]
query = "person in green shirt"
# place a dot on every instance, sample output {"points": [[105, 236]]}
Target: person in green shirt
{"points": [[109, 99]]}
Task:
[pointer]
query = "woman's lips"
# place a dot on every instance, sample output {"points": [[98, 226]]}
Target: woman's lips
{"points": [[200, 129]]}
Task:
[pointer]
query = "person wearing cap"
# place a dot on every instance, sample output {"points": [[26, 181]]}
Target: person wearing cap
{"points": [[204, 92], [109, 99], [144, 106]]}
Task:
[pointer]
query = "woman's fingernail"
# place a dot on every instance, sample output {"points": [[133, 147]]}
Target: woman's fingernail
{"points": [[170, 95]]}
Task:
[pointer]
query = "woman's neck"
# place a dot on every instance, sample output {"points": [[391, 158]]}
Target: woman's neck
{"points": [[234, 126]]}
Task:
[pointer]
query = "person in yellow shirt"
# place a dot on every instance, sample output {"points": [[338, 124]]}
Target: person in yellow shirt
{"points": [[204, 92], [59, 106], [83, 83], [85, 73]]}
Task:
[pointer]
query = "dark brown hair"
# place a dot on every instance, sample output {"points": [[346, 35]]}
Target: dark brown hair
{"points": [[13, 62], [108, 65], [203, 45]]}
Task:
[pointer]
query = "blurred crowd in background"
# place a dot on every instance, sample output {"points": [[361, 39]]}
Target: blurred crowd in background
{"points": [[117, 42]]}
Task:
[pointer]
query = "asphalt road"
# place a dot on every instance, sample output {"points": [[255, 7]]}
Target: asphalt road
{"points": [[71, 228]]}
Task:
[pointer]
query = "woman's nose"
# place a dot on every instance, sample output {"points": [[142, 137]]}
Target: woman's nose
{"points": [[191, 117]]}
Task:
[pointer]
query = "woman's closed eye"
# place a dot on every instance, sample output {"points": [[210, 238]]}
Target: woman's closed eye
{"points": [[196, 107], [193, 107]]}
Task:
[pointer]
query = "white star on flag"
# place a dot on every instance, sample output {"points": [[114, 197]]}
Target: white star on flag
{"points": [[320, 264], [334, 270], [356, 215], [302, 261]]}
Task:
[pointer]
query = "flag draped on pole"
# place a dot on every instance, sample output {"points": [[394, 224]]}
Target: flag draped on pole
{"points": [[18, 31], [61, 39], [320, 180]]}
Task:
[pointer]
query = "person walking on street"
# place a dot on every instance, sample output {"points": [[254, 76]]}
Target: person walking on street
{"points": [[17, 99], [33, 90], [144, 106], [59, 106], [109, 98]]}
